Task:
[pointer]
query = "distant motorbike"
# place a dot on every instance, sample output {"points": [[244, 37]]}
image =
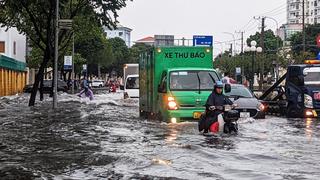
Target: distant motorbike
{"points": [[226, 121], [113, 88]]}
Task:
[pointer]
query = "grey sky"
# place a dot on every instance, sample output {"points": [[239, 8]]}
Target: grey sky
{"points": [[185, 18]]}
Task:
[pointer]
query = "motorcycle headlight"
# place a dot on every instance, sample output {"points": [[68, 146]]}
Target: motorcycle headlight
{"points": [[308, 102]]}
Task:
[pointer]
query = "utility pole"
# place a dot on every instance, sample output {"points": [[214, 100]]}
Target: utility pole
{"points": [[262, 46], [55, 75], [242, 42], [303, 28], [73, 58]]}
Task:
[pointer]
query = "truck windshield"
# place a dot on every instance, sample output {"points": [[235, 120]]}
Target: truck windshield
{"points": [[132, 83], [189, 80], [312, 76]]}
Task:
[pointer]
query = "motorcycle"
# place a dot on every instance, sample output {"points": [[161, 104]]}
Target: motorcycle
{"points": [[226, 121]]}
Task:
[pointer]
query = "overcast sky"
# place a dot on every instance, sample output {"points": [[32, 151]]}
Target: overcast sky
{"points": [[185, 18]]}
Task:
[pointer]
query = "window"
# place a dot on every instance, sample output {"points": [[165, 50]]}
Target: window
{"points": [[192, 80], [132, 83], [2, 47], [120, 33], [294, 76], [163, 84], [14, 48]]}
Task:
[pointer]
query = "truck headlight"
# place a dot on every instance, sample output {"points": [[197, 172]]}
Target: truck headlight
{"points": [[308, 102], [172, 105]]}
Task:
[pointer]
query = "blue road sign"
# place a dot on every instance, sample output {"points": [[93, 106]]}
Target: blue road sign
{"points": [[202, 40], [318, 56]]}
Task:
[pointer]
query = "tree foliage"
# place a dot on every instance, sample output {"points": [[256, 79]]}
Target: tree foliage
{"points": [[120, 54], [311, 33], [136, 50], [271, 42]]}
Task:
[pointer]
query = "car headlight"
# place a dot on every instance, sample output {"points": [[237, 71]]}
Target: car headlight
{"points": [[308, 102], [262, 107]]}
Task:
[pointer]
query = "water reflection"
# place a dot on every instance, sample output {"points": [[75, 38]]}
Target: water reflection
{"points": [[308, 129]]}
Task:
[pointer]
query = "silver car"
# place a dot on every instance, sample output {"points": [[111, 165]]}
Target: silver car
{"points": [[248, 104]]}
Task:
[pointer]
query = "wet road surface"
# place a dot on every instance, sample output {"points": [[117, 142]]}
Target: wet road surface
{"points": [[105, 139]]}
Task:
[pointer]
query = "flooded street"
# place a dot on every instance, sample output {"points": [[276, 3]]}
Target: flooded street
{"points": [[105, 139]]}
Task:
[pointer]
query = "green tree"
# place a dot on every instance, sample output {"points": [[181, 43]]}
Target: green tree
{"points": [[311, 33], [136, 50], [120, 54], [271, 42], [36, 20]]}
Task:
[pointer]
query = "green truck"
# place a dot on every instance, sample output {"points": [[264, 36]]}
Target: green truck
{"points": [[175, 82]]}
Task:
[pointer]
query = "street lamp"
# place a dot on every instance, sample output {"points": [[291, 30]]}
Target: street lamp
{"points": [[253, 49]]}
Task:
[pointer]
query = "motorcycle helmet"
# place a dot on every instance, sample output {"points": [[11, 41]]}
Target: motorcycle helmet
{"points": [[218, 84]]}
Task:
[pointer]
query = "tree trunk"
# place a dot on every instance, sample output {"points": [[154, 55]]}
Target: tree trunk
{"points": [[41, 89], [99, 71], [39, 76]]}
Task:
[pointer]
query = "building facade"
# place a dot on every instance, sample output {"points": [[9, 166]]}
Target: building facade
{"points": [[121, 32], [12, 62], [294, 11]]}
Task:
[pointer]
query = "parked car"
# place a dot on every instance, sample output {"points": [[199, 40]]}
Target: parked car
{"points": [[47, 86], [248, 104], [97, 83]]}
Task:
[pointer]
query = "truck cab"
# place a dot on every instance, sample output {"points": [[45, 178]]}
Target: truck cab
{"points": [[183, 92], [131, 86], [302, 90], [175, 82]]}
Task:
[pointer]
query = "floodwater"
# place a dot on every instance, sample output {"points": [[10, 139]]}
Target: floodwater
{"points": [[106, 139]]}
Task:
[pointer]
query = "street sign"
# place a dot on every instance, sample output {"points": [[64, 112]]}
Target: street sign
{"points": [[67, 62], [84, 67], [238, 70], [202, 40]]}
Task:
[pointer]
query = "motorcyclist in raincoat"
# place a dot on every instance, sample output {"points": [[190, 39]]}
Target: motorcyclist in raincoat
{"points": [[208, 122]]}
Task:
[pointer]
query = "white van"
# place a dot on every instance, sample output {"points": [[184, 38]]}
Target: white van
{"points": [[131, 86]]}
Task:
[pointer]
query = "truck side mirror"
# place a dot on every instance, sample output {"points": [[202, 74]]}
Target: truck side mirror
{"points": [[121, 87], [227, 88], [161, 89]]}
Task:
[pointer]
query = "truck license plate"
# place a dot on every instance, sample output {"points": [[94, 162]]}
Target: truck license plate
{"points": [[244, 114], [197, 115]]}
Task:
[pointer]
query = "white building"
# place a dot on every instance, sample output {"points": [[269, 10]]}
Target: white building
{"points": [[294, 11], [121, 32], [13, 44], [294, 17]]}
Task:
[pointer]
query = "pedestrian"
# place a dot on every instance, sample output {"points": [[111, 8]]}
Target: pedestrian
{"points": [[85, 89], [228, 80]]}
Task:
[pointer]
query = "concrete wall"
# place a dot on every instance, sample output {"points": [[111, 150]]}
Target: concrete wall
{"points": [[11, 36]]}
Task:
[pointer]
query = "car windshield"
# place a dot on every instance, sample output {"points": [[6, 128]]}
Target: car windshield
{"points": [[311, 75], [239, 91], [192, 80], [132, 83]]}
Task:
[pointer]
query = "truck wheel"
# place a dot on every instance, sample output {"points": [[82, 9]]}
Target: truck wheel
{"points": [[142, 114], [159, 117]]}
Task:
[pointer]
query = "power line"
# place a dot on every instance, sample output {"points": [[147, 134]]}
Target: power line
{"points": [[275, 9], [247, 24]]}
